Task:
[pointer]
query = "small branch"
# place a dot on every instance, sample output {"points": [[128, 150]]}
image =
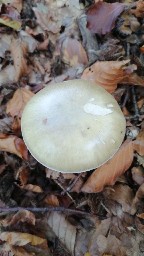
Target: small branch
{"points": [[43, 209], [69, 188]]}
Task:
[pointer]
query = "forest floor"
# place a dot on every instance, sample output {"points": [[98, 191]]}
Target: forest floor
{"points": [[95, 213]]}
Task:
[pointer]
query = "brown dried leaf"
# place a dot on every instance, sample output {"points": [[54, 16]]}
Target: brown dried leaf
{"points": [[18, 52], [20, 98], [51, 200], [138, 144], [108, 173], [107, 73], [14, 145], [23, 175], [21, 239], [133, 79], [138, 175], [32, 188], [73, 52], [121, 194], [21, 216], [101, 16], [139, 11], [63, 230], [138, 197]]}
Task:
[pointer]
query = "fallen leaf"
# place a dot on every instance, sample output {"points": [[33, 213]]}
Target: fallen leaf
{"points": [[101, 16], [133, 79], [14, 145], [30, 42], [17, 4], [18, 52], [139, 11], [22, 175], [138, 175], [121, 194], [107, 73], [108, 173], [141, 215], [21, 239], [21, 216], [51, 200], [127, 24], [7, 75], [32, 188], [137, 199], [9, 250], [9, 22], [63, 230], [20, 98], [47, 18], [138, 144], [73, 52]]}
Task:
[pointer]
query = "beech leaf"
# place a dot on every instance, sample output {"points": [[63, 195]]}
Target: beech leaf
{"points": [[20, 98], [14, 145], [107, 73], [21, 216], [108, 173], [101, 16]]}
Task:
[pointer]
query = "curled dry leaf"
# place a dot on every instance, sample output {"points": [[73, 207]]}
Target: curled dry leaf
{"points": [[139, 11], [133, 79], [107, 73], [14, 145], [21, 239], [21, 216], [20, 98], [63, 230], [138, 144], [101, 16], [73, 52], [18, 51], [108, 173]]}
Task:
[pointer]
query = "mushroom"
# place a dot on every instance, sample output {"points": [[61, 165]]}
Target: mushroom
{"points": [[73, 126]]}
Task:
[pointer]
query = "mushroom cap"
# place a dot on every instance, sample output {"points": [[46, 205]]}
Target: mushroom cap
{"points": [[73, 126]]}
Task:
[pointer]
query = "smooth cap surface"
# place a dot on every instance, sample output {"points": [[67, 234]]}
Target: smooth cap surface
{"points": [[73, 126]]}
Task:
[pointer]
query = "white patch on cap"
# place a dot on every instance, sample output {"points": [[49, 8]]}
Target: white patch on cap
{"points": [[96, 110]]}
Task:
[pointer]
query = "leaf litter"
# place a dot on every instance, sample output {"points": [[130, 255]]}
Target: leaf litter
{"points": [[99, 213]]}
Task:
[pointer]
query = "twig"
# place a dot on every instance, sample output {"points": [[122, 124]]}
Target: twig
{"points": [[72, 184], [136, 109], [43, 209], [64, 191], [125, 98]]}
